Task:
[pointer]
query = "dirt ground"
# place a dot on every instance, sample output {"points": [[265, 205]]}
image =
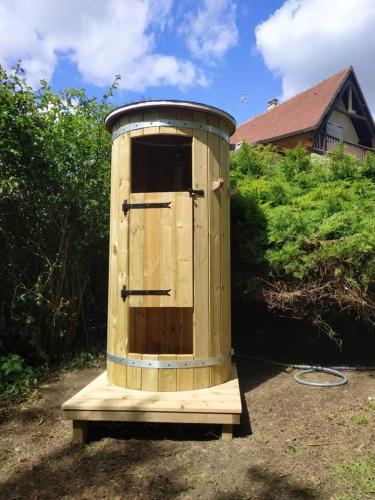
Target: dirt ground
{"points": [[285, 448]]}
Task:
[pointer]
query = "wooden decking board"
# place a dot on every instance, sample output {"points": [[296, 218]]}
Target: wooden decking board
{"points": [[152, 416], [102, 398]]}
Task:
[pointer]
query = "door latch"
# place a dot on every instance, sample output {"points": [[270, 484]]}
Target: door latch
{"points": [[196, 193]]}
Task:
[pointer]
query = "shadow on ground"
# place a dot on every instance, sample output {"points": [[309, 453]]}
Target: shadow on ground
{"points": [[112, 468]]}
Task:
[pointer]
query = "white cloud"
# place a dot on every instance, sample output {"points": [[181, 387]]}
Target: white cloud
{"points": [[103, 38], [212, 30], [307, 40]]}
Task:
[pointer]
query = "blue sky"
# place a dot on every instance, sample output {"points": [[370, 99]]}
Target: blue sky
{"points": [[212, 51], [240, 72]]}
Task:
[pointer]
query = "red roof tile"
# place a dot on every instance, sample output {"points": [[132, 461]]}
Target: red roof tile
{"points": [[300, 113]]}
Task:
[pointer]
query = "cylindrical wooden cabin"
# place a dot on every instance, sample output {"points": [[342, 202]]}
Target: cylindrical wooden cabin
{"points": [[169, 264]]}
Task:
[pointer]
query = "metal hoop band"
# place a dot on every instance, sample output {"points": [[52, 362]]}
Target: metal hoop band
{"points": [[170, 123], [148, 363]]}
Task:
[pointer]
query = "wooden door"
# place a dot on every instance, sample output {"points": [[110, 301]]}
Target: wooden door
{"points": [[161, 249]]}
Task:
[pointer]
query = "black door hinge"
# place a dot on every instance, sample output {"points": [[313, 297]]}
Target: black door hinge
{"points": [[127, 206], [125, 292]]}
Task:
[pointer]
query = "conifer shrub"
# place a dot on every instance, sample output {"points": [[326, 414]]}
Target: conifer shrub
{"points": [[303, 230]]}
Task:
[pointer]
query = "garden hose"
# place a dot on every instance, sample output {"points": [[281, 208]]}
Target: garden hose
{"points": [[298, 377], [333, 370]]}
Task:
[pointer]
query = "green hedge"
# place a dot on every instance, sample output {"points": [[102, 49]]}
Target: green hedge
{"points": [[54, 205], [304, 231]]}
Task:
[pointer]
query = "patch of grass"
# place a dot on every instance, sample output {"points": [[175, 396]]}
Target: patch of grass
{"points": [[361, 419], [358, 478], [371, 405]]}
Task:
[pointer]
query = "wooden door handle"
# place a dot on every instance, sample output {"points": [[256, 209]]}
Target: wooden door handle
{"points": [[218, 184]]}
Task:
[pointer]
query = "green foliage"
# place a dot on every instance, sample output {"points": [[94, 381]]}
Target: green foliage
{"points": [[79, 361], [15, 377], [361, 419], [54, 204], [300, 220], [357, 478]]}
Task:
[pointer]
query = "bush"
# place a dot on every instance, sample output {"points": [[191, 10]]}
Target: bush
{"points": [[54, 205], [15, 377], [304, 232]]}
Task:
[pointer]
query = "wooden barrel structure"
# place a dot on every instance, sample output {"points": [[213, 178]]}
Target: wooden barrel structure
{"points": [[169, 264]]}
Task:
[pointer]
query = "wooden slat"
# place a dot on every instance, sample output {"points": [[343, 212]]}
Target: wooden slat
{"points": [[184, 114], [134, 375], [134, 118], [136, 250], [113, 245], [167, 330], [140, 331], [168, 114], [118, 274], [184, 250], [201, 330], [152, 416], [149, 116], [214, 199], [151, 249], [185, 377], [122, 251], [153, 343], [187, 330], [225, 335], [168, 265], [167, 377], [150, 376]]}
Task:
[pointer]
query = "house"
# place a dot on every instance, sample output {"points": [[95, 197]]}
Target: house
{"points": [[317, 118]]}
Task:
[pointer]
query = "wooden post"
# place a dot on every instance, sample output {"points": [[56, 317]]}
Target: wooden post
{"points": [[227, 432], [80, 432]]}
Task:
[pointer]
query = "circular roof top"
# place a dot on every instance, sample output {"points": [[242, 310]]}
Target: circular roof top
{"points": [[192, 106]]}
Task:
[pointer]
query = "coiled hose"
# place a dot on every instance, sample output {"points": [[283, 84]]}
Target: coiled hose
{"points": [[333, 370]]}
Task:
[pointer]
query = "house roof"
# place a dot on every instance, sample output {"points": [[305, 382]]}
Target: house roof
{"points": [[301, 113]]}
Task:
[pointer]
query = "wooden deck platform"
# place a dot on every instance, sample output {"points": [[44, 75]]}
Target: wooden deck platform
{"points": [[102, 401]]}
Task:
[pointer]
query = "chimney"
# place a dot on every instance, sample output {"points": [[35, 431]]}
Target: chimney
{"points": [[272, 103]]}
